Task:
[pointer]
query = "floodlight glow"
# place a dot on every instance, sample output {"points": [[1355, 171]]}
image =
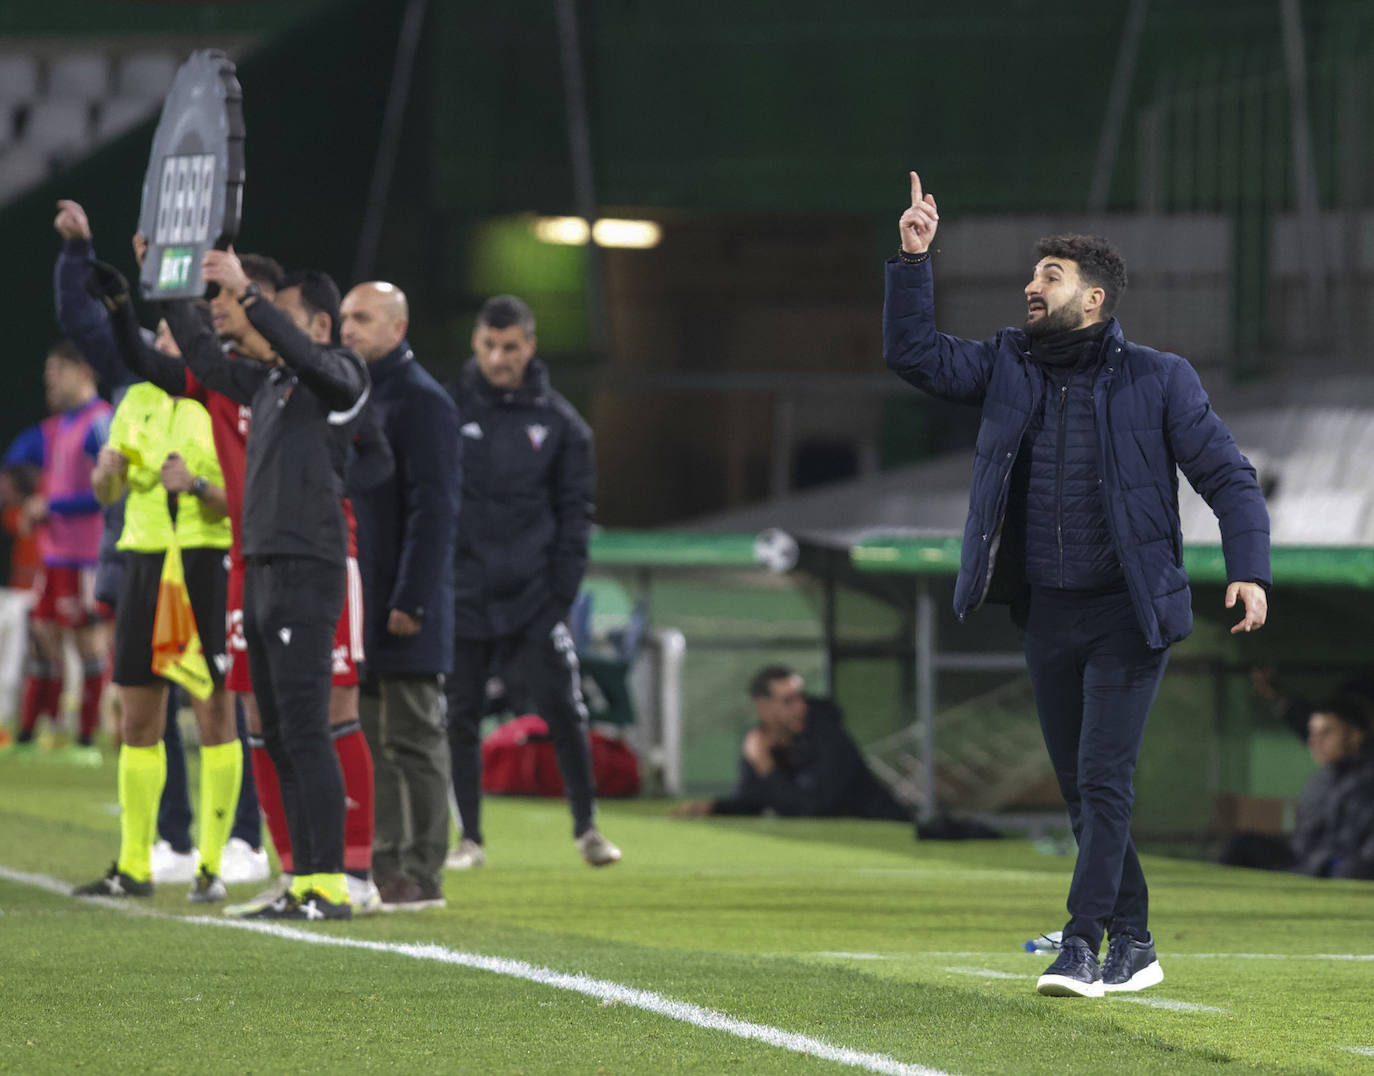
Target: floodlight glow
{"points": [[606, 232], [636, 234], [562, 231]]}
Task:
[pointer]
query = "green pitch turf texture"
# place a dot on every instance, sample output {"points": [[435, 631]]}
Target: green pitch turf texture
{"points": [[849, 933]]}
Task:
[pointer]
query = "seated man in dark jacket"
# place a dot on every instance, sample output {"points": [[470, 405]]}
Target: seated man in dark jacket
{"points": [[799, 761], [1333, 834]]}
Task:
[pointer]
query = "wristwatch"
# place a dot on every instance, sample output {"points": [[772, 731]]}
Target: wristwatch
{"points": [[198, 487]]}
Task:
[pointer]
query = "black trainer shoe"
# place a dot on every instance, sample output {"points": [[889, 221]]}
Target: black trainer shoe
{"points": [[115, 883], [1131, 964], [276, 908], [313, 906], [402, 894], [1074, 975]]}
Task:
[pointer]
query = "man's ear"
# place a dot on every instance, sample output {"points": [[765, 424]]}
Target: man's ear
{"points": [[1093, 299]]}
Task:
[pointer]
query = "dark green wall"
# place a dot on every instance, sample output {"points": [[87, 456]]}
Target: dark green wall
{"points": [[804, 106]]}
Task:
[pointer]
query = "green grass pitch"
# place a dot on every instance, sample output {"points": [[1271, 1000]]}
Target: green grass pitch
{"points": [[850, 935]]}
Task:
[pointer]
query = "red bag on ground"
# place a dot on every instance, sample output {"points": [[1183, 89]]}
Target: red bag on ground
{"points": [[518, 760]]}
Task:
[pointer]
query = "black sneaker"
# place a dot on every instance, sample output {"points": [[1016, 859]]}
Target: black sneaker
{"points": [[115, 883], [1074, 975], [1131, 964], [407, 895], [277, 908], [312, 906]]}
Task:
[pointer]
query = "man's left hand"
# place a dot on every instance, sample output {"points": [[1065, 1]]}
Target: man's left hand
{"points": [[176, 476], [222, 267], [71, 222], [758, 752], [1255, 601], [399, 623]]}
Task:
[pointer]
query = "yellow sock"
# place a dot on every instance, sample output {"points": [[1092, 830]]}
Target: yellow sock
{"points": [[301, 884], [142, 773], [221, 773], [333, 887]]}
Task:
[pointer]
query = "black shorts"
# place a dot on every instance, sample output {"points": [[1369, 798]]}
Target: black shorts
{"points": [[206, 583]]}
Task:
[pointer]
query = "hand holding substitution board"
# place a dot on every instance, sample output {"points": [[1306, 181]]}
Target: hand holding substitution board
{"points": [[193, 189]]}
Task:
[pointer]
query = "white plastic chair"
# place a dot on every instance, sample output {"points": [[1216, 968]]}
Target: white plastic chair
{"points": [[1319, 517], [58, 127], [21, 168], [18, 77], [146, 75], [79, 76]]}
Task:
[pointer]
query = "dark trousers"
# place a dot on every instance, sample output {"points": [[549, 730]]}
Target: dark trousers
{"points": [[290, 608], [539, 665], [174, 810], [403, 718], [1095, 680]]}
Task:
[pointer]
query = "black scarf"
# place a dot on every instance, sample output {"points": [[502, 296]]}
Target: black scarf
{"points": [[1072, 349]]}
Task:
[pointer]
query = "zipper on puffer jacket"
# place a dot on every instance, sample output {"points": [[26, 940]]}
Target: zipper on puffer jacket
{"points": [[1059, 477], [1001, 512]]}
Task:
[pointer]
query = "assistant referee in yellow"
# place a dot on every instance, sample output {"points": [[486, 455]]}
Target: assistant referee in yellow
{"points": [[161, 452]]}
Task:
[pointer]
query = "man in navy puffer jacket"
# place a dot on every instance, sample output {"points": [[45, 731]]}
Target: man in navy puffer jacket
{"points": [[1073, 520]]}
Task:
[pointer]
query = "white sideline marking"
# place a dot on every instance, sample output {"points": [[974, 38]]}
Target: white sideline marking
{"points": [[607, 992], [977, 873], [1364, 1051], [983, 954], [986, 973], [1167, 1003], [1275, 956]]}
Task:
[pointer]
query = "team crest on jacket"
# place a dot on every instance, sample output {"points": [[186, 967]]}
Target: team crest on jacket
{"points": [[537, 434]]}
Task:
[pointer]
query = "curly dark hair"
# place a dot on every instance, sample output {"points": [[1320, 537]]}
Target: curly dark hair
{"points": [[1100, 265]]}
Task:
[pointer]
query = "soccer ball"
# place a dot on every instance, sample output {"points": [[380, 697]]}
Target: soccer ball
{"points": [[776, 550]]}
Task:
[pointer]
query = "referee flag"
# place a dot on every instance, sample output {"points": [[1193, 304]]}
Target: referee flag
{"points": [[177, 653]]}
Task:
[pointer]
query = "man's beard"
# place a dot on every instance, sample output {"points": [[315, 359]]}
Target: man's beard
{"points": [[1065, 318], [1053, 321]]}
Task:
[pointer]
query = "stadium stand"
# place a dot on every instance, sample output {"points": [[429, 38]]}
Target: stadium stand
{"points": [[56, 110]]}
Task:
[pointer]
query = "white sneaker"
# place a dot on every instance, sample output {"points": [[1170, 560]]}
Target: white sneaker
{"points": [[363, 895], [170, 866], [467, 855], [596, 850], [240, 863], [266, 898]]}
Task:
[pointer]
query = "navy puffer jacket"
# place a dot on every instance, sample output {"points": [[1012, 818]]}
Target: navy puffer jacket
{"points": [[1153, 419], [1056, 486]]}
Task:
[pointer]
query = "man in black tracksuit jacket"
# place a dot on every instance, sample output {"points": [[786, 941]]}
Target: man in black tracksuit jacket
{"points": [[295, 540], [529, 481], [799, 762]]}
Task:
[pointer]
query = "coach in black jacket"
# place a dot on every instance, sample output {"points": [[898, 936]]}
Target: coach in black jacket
{"points": [[529, 482], [306, 408]]}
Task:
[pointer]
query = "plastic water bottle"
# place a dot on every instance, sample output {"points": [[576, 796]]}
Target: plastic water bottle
{"points": [[1046, 943]]}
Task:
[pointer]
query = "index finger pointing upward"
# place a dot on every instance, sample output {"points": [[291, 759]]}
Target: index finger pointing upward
{"points": [[915, 189]]}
